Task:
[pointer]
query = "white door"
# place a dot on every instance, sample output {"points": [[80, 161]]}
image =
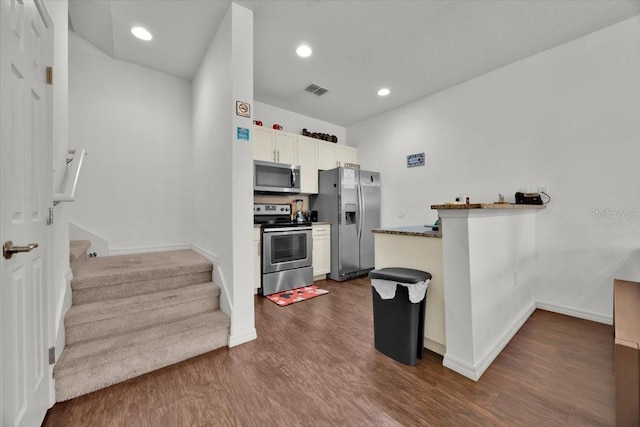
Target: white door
{"points": [[25, 194]]}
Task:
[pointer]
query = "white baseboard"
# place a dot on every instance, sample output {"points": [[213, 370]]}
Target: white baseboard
{"points": [[476, 370], [575, 312], [245, 337], [459, 366], [144, 249]]}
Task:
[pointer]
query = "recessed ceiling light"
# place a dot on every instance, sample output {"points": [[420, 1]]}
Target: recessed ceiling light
{"points": [[141, 33], [384, 92], [304, 51]]}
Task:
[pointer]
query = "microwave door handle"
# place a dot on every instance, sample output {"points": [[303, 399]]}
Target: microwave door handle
{"points": [[293, 179]]}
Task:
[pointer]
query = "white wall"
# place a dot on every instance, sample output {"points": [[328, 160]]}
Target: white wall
{"points": [[294, 122], [222, 167], [135, 123], [568, 119], [60, 297]]}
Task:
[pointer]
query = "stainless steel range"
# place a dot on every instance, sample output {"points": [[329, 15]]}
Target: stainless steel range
{"points": [[286, 249]]}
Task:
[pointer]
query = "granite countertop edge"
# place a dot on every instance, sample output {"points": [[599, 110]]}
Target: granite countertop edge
{"points": [[409, 231], [488, 206]]}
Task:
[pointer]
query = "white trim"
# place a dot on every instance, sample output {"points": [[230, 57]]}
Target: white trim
{"points": [[225, 304], [238, 339], [62, 306], [475, 371], [575, 312], [489, 356], [205, 253], [145, 249], [459, 366]]}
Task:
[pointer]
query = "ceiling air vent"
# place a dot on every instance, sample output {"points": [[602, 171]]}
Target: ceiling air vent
{"points": [[316, 90]]}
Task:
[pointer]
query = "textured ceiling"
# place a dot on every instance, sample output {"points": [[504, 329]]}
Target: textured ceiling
{"points": [[415, 48]]}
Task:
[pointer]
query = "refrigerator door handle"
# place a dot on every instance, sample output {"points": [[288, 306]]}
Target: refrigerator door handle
{"points": [[360, 212]]}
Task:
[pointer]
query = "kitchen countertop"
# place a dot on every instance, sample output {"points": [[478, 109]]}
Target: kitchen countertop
{"points": [[411, 230], [488, 206]]}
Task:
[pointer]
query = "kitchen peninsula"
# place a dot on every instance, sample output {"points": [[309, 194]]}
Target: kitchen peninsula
{"points": [[482, 287], [421, 248]]}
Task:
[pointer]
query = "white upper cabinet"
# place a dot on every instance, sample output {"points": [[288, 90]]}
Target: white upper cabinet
{"points": [[331, 155], [262, 142], [307, 159], [274, 146], [345, 154], [286, 147], [326, 155]]}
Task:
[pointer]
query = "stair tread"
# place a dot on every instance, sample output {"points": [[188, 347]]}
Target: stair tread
{"points": [[89, 354], [118, 269], [77, 248], [96, 311]]}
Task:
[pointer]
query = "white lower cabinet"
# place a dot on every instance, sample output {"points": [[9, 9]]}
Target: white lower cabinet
{"points": [[257, 268], [321, 250]]}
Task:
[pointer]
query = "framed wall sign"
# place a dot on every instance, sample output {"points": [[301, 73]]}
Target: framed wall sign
{"points": [[414, 160]]}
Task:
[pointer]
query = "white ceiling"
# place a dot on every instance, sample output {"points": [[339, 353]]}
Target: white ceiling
{"points": [[415, 48]]}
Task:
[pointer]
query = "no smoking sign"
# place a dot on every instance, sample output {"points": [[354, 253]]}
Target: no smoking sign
{"points": [[243, 109]]}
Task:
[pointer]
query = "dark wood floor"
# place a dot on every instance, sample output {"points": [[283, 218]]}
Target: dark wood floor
{"points": [[314, 364]]}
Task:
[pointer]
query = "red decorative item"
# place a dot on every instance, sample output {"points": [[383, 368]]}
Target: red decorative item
{"points": [[277, 127], [257, 122]]}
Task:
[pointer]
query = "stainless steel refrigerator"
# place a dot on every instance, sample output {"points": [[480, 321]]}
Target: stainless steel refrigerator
{"points": [[350, 200]]}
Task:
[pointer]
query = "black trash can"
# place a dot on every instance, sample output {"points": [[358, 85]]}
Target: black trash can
{"points": [[398, 323]]}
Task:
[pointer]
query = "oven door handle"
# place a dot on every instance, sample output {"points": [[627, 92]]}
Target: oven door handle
{"points": [[283, 229]]}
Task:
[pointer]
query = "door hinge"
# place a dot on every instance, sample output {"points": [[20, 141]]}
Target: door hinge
{"points": [[50, 75], [50, 216], [52, 355]]}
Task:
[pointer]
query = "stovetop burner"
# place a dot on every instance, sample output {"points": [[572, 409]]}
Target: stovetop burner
{"points": [[273, 216]]}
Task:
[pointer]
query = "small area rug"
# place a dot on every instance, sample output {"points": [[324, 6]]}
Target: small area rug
{"points": [[296, 295]]}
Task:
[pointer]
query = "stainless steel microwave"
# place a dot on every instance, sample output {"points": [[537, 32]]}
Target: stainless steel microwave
{"points": [[275, 178]]}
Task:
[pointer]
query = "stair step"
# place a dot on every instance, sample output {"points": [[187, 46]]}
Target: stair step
{"points": [[92, 365], [102, 319], [123, 276], [78, 252], [113, 270]]}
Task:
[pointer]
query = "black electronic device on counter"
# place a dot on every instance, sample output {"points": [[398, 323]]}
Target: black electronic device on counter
{"points": [[528, 199], [313, 216]]}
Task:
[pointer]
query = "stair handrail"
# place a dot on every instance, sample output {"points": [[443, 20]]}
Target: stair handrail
{"points": [[77, 156]]}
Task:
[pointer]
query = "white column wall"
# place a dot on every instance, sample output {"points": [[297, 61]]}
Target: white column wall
{"points": [[222, 167]]}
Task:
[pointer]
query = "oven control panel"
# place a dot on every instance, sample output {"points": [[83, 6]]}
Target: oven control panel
{"points": [[264, 209]]}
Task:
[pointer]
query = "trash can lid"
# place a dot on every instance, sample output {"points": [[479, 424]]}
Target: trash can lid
{"points": [[401, 275]]}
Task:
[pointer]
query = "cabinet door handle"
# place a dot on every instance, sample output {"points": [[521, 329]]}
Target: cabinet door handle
{"points": [[278, 156], [274, 155]]}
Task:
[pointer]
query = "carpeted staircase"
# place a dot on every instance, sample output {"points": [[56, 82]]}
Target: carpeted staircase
{"points": [[132, 314]]}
